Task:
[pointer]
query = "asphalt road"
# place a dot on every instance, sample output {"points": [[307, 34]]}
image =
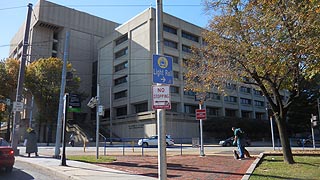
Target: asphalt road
{"points": [[26, 171]]}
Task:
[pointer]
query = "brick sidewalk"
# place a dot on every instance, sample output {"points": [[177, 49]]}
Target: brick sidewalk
{"points": [[187, 167]]}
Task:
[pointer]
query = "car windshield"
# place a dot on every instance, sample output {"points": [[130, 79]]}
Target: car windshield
{"points": [[4, 142]]}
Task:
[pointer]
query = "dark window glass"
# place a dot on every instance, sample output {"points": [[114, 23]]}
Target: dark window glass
{"points": [[121, 66], [121, 39], [120, 94], [190, 36], [169, 29], [121, 80], [121, 53], [186, 49], [121, 111], [171, 44]]}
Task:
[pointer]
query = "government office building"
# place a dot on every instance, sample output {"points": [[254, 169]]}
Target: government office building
{"points": [[118, 57], [125, 76]]}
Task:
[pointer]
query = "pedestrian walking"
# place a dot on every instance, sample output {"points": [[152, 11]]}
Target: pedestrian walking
{"points": [[31, 142], [239, 140]]}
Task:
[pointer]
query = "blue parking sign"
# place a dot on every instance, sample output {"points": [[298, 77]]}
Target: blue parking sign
{"points": [[162, 69]]}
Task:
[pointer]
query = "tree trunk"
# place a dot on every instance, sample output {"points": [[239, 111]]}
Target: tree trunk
{"points": [[286, 148]]}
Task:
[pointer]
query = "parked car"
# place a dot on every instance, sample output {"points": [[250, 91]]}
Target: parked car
{"points": [[308, 141], [153, 141], [229, 141], [6, 155]]}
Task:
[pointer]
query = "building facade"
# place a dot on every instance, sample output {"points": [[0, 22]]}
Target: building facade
{"points": [[48, 28], [125, 78]]}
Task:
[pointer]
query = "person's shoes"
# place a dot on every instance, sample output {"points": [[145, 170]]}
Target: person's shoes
{"points": [[235, 154], [37, 154], [28, 154]]}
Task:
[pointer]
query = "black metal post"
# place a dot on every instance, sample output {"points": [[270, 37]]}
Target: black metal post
{"points": [[66, 104]]}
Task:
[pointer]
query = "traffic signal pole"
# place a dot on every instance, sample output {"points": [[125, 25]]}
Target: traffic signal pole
{"points": [[17, 114]]}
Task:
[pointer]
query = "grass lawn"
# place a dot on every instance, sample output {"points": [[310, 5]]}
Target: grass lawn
{"points": [[273, 167], [92, 158]]}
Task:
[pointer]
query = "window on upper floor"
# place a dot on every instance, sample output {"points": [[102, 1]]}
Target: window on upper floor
{"points": [[190, 36], [259, 103], [174, 89], [245, 101], [121, 111], [141, 107], [175, 59], [121, 53], [245, 89], [121, 66], [121, 80], [186, 48], [230, 99], [231, 86], [191, 109], [170, 43], [174, 107], [121, 94], [169, 29], [257, 92], [213, 111], [176, 74], [189, 93], [121, 39]]}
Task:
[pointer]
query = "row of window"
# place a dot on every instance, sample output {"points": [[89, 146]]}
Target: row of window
{"points": [[174, 45], [184, 34], [191, 109]]}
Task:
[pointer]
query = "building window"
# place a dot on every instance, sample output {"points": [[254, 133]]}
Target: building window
{"points": [[122, 111], [259, 103], [175, 59], [231, 86], [169, 29], [257, 92], [245, 89], [171, 44], [213, 111], [232, 99], [174, 107], [191, 109], [174, 89], [121, 53], [231, 113], [120, 94], [121, 66], [189, 93], [190, 36], [214, 96], [259, 116], [246, 114], [121, 39], [176, 74], [121, 80], [141, 107], [245, 101], [186, 48]]}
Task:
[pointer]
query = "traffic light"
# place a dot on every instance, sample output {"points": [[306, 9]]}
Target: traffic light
{"points": [[2, 107]]}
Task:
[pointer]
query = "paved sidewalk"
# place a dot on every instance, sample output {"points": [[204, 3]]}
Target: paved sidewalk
{"points": [[79, 170]]}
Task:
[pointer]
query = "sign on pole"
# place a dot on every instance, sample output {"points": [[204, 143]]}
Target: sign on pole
{"points": [[17, 106], [201, 114], [162, 69], [161, 97]]}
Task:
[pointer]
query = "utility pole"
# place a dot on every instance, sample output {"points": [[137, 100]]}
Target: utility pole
{"points": [[17, 114], [61, 101], [161, 119]]}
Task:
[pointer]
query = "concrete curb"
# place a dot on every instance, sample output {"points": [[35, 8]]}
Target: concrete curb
{"points": [[252, 167], [61, 174]]}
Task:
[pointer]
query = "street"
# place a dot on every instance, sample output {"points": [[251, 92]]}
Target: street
{"points": [[26, 171]]}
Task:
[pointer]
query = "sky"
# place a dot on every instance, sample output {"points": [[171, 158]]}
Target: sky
{"points": [[13, 13]]}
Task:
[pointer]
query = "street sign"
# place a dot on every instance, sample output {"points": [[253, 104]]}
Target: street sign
{"points": [[162, 69], [17, 106], [74, 103], [161, 97], [201, 114]]}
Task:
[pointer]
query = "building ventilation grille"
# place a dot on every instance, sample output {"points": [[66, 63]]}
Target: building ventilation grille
{"points": [[48, 26]]}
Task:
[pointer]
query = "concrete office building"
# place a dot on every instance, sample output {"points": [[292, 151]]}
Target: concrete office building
{"points": [[125, 76], [49, 25]]}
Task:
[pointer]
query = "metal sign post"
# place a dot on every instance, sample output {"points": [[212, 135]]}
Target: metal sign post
{"points": [[65, 111]]}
